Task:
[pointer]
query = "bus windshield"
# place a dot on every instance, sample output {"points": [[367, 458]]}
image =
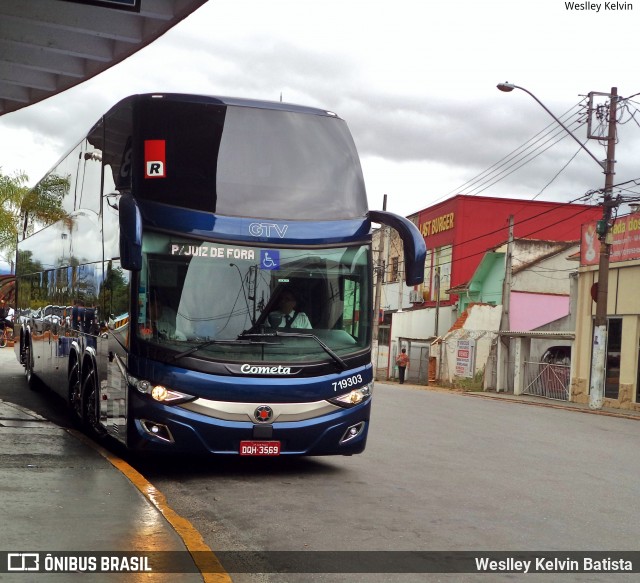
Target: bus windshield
{"points": [[245, 303]]}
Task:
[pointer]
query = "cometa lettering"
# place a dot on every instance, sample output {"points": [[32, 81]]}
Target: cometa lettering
{"points": [[274, 370]]}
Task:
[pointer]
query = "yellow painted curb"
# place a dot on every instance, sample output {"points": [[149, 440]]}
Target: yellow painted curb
{"points": [[205, 559]]}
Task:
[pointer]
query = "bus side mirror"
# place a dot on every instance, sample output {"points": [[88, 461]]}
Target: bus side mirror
{"points": [[130, 233]]}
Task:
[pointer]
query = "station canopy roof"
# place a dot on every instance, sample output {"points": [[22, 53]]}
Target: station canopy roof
{"points": [[48, 46]]}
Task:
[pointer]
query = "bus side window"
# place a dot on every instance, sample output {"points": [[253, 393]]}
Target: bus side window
{"points": [[351, 306]]}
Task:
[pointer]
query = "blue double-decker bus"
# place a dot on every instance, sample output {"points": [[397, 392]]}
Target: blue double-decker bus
{"points": [[210, 287]]}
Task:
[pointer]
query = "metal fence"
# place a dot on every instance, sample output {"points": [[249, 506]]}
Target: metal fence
{"points": [[491, 371], [422, 376], [547, 380]]}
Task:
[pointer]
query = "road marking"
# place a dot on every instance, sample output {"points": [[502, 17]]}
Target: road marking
{"points": [[205, 559]]}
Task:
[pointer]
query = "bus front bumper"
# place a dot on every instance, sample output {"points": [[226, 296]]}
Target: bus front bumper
{"points": [[198, 430]]}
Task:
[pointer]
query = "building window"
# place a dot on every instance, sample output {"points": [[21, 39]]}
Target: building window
{"points": [[614, 345], [441, 273], [394, 269], [383, 335]]}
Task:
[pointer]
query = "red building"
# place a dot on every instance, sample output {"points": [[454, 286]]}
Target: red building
{"points": [[461, 229]]}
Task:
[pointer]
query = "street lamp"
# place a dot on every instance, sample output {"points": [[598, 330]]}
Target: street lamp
{"points": [[596, 393]]}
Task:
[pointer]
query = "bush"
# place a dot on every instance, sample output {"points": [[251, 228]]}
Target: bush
{"points": [[474, 384]]}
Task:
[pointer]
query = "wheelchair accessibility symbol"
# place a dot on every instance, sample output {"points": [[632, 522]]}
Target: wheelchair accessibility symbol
{"points": [[269, 259]]}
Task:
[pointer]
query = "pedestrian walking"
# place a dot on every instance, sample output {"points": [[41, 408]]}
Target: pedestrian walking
{"points": [[403, 362]]}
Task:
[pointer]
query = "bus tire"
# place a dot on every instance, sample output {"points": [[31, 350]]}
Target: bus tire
{"points": [[32, 380], [90, 403], [75, 391]]}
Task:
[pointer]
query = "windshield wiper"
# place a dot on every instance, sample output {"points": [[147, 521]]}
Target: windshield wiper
{"points": [[211, 343], [343, 365], [247, 338]]}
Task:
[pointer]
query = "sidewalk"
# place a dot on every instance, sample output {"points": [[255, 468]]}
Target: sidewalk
{"points": [[62, 493], [556, 404]]}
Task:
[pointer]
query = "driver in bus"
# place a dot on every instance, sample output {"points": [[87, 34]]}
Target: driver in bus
{"points": [[286, 314]]}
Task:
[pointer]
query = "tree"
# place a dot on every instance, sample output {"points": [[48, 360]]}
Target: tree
{"points": [[43, 203], [11, 194]]}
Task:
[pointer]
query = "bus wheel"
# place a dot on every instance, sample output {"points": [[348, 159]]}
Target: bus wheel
{"points": [[75, 392], [91, 407], [32, 381]]}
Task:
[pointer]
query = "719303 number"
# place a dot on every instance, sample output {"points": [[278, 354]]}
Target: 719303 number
{"points": [[348, 382]]}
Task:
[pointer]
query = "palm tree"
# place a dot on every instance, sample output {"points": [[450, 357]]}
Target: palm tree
{"points": [[43, 203]]}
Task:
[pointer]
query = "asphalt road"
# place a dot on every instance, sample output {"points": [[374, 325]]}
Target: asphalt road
{"points": [[442, 472]]}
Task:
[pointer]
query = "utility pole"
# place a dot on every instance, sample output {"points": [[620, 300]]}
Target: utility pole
{"points": [[400, 288], [436, 281], [505, 322], [376, 302], [599, 350]]}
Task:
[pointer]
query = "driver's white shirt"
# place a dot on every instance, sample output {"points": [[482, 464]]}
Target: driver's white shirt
{"points": [[300, 320]]}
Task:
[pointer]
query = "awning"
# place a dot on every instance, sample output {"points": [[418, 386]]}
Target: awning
{"points": [[48, 46]]}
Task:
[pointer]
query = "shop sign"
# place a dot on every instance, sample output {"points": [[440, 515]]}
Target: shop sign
{"points": [[465, 358], [437, 225], [625, 244]]}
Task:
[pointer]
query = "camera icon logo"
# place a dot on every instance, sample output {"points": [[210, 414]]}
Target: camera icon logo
{"points": [[23, 562]]}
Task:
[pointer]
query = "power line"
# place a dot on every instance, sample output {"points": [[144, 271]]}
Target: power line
{"points": [[529, 143], [482, 252], [549, 210], [557, 174], [521, 158], [522, 162], [550, 129], [555, 208]]}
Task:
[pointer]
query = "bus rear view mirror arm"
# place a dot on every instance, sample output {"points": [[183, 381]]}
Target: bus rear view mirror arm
{"points": [[415, 250]]}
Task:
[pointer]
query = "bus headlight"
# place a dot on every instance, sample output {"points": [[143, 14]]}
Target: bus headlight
{"points": [[165, 395], [355, 397], [159, 393]]}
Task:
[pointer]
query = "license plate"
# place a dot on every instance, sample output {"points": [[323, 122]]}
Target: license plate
{"points": [[260, 448]]}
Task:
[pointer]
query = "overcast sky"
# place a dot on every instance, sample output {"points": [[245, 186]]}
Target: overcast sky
{"points": [[414, 79]]}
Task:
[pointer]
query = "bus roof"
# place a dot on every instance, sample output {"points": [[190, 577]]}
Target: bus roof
{"points": [[225, 100]]}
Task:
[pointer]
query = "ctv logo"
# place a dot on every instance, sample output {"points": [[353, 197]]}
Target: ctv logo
{"points": [[155, 159]]}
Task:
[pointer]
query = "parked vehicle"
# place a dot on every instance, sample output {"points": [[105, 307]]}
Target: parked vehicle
{"points": [[557, 355]]}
